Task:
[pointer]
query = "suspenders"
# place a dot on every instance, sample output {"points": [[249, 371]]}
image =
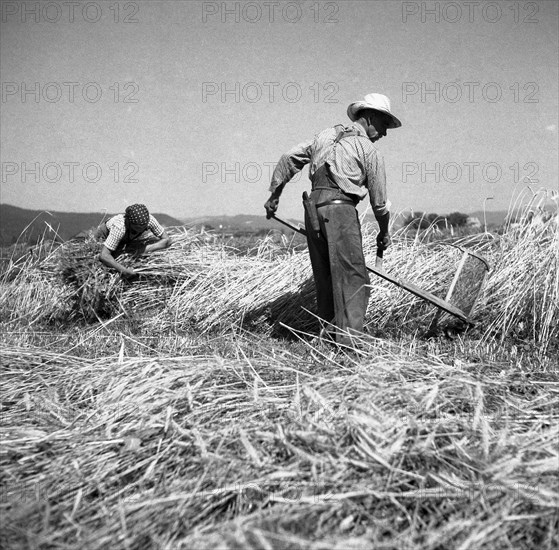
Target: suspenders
{"points": [[343, 133], [322, 177]]}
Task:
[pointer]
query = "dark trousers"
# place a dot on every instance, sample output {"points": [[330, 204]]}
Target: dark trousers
{"points": [[340, 274]]}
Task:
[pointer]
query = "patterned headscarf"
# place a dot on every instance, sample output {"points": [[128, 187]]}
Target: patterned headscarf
{"points": [[136, 220]]}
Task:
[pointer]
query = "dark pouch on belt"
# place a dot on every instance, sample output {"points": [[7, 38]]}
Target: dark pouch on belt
{"points": [[312, 213]]}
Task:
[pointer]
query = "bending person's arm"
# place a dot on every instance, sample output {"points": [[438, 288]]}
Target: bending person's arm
{"points": [[160, 233], [163, 242], [106, 258]]}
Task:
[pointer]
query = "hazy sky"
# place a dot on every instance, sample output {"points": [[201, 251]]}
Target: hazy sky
{"points": [[187, 105]]}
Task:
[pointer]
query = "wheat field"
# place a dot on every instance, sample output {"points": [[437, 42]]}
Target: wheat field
{"points": [[197, 408]]}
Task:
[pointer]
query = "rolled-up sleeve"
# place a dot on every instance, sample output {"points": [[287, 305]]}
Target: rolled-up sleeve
{"points": [[376, 182], [290, 164], [155, 227], [114, 238]]}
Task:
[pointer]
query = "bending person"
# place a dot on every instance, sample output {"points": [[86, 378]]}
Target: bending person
{"points": [[129, 232]]}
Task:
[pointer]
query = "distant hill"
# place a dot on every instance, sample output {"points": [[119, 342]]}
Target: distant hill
{"points": [[498, 218], [257, 223], [14, 221], [493, 218], [240, 223]]}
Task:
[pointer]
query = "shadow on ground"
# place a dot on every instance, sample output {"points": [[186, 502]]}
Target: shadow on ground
{"points": [[296, 310]]}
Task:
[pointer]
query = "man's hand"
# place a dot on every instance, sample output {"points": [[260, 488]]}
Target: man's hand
{"points": [[383, 241], [271, 205]]}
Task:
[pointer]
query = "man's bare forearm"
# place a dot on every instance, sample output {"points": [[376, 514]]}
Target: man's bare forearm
{"points": [[383, 221]]}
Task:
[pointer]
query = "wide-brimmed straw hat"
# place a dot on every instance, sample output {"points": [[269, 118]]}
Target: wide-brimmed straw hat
{"points": [[378, 102]]}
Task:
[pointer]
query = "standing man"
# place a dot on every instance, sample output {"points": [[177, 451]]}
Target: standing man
{"points": [[128, 232], [345, 166]]}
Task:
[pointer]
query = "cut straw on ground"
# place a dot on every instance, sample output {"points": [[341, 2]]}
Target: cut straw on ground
{"points": [[400, 450]]}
